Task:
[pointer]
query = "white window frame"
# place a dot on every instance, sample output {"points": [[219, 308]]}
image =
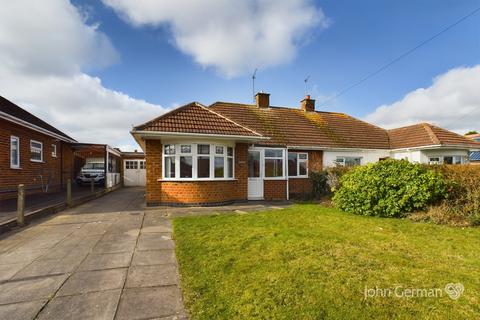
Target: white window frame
{"points": [[284, 166], [298, 165], [194, 154], [54, 150], [41, 151], [463, 159], [343, 158], [17, 139]]}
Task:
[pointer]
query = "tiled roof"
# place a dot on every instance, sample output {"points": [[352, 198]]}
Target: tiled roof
{"points": [[195, 118], [294, 127], [12, 109], [425, 134]]}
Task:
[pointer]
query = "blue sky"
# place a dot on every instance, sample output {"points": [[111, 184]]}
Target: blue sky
{"points": [[363, 35], [94, 68]]}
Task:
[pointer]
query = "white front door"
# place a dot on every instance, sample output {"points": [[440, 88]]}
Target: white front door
{"points": [[255, 178], [134, 173]]}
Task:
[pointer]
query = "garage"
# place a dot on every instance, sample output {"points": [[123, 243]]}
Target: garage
{"points": [[134, 169]]}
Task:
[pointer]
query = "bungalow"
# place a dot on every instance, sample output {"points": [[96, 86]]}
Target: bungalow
{"points": [[43, 158], [231, 152]]}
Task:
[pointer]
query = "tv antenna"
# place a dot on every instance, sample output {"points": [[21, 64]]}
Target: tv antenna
{"points": [[306, 89], [254, 76]]}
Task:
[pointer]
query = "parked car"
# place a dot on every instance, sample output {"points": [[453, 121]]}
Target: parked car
{"points": [[92, 171]]}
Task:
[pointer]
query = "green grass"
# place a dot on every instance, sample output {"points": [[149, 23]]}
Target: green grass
{"points": [[312, 262]]}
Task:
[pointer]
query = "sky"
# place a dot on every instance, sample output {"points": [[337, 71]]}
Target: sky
{"points": [[94, 68]]}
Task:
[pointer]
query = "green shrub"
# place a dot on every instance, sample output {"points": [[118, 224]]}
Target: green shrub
{"points": [[389, 188]]}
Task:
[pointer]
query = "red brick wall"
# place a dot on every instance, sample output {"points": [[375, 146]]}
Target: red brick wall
{"points": [[193, 192], [300, 186], [29, 172], [275, 189]]}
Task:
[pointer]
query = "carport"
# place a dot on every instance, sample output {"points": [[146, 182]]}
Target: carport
{"points": [[84, 153]]}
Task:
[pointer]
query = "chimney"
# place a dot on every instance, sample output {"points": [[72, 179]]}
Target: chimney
{"points": [[308, 104], [263, 99]]}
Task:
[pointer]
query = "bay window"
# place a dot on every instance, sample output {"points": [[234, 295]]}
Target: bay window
{"points": [[197, 161], [273, 163], [298, 164]]}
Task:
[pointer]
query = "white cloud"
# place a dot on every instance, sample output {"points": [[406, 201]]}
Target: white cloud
{"points": [[234, 37], [44, 48], [452, 102]]}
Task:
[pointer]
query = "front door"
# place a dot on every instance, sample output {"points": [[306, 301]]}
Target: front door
{"points": [[255, 179]]}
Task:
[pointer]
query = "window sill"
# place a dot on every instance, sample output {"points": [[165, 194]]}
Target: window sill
{"points": [[16, 168], [298, 177], [277, 178], [37, 161], [195, 180]]}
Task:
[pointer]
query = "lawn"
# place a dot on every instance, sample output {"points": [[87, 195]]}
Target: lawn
{"points": [[313, 262]]}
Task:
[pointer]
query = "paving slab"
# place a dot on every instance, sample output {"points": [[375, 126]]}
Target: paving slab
{"points": [[30, 289], [148, 303], [37, 268], [154, 241], [106, 261], [21, 256], [152, 257], [91, 281], [152, 276], [115, 246], [7, 271], [22, 310], [95, 305]]}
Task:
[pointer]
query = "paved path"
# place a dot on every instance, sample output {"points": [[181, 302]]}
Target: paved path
{"points": [[106, 259]]}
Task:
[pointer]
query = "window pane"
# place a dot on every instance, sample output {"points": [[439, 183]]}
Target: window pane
{"points": [[351, 161], [203, 149], [302, 156], [457, 160], [36, 151], [14, 152], [229, 151], [169, 167], [219, 150], [302, 168], [135, 164], [448, 160], [219, 167], [185, 167], [169, 149], [230, 167], [273, 168], [273, 153], [292, 164], [186, 148], [253, 164], [203, 164]]}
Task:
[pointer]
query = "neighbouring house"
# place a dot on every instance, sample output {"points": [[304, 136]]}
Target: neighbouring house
{"points": [[474, 155], [229, 151], [40, 156], [134, 171]]}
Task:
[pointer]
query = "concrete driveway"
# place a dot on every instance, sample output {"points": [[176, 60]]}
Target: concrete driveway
{"points": [[106, 259]]}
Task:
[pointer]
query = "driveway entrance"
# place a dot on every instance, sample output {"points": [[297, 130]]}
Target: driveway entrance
{"points": [[106, 259]]}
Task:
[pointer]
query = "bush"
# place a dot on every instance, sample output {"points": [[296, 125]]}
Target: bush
{"points": [[461, 207], [390, 188], [319, 184]]}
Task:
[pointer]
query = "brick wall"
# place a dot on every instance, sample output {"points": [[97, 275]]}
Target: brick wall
{"points": [[193, 192], [301, 186], [30, 173], [275, 189]]}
